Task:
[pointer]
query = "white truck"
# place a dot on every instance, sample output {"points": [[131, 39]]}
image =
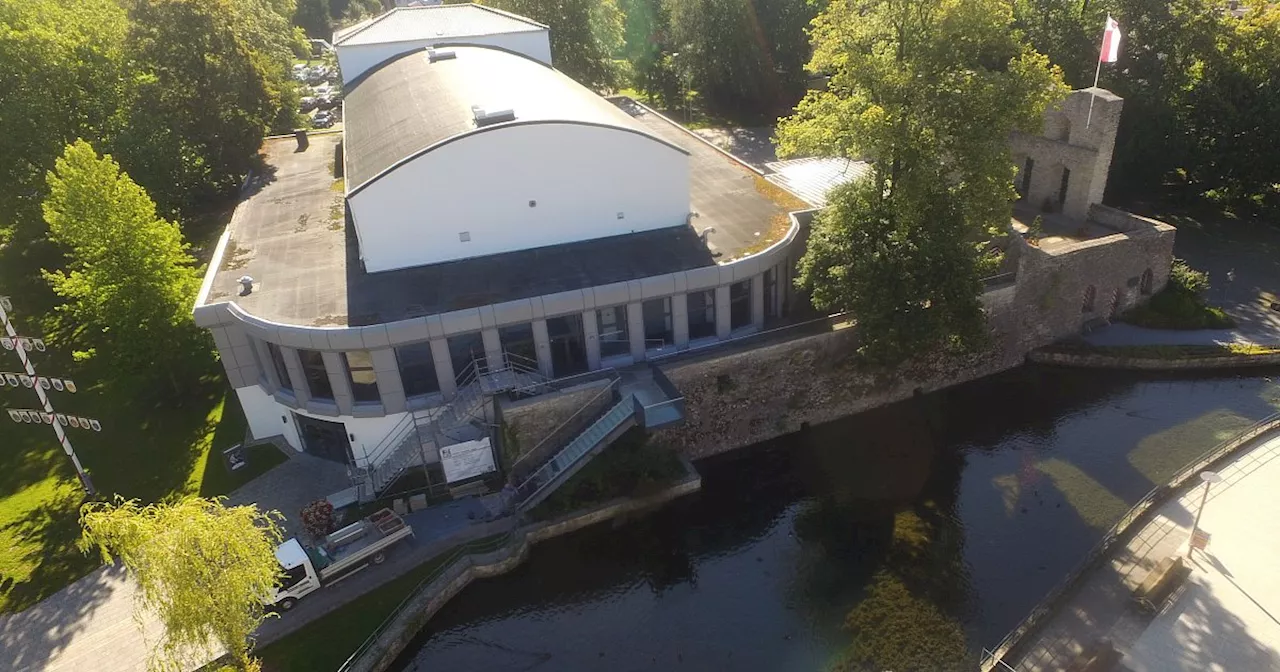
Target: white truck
{"points": [[343, 553]]}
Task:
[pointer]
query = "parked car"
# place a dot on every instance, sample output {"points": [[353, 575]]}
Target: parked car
{"points": [[322, 120], [307, 104], [326, 103]]}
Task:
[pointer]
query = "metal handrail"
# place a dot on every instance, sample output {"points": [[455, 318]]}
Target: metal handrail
{"points": [[389, 442], [606, 390], [1155, 496], [608, 373], [476, 547], [524, 496]]}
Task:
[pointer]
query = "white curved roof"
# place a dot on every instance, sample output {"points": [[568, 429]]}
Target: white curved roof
{"points": [[403, 24]]}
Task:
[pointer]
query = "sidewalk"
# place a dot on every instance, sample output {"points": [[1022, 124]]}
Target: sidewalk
{"points": [[1120, 333], [1223, 618]]}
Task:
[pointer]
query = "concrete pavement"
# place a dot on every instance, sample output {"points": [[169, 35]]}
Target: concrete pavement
{"points": [[1223, 618]]}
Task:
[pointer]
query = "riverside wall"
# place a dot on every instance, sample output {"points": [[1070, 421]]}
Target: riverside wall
{"points": [[738, 398]]}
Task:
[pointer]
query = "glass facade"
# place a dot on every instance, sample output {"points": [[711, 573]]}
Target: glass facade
{"points": [[657, 323], [282, 371], [417, 369], [702, 314], [317, 378], [517, 340], [364, 382], [463, 349], [612, 325], [740, 304]]}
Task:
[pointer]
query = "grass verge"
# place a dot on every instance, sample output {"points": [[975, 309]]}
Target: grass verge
{"points": [[1173, 308], [327, 642], [633, 466]]}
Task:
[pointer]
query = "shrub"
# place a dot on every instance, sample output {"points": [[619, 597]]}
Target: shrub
{"points": [[317, 518], [1184, 278]]}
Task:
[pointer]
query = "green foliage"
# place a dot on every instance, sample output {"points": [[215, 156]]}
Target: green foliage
{"points": [[204, 568], [63, 78], [585, 36], [741, 54], [930, 91], [129, 282], [313, 17], [632, 466], [894, 629], [1183, 278], [1180, 305], [212, 78], [902, 265]]}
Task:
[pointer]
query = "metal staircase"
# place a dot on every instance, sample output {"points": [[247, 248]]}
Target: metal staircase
{"points": [[543, 481], [461, 419]]}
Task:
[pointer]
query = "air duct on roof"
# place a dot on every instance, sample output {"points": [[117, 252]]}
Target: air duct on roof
{"points": [[488, 117], [434, 55]]}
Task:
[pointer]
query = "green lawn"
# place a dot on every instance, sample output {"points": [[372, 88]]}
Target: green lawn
{"points": [[326, 643], [146, 450]]}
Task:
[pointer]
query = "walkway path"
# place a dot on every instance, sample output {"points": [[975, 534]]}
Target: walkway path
{"points": [[1127, 334], [1224, 617], [89, 625]]}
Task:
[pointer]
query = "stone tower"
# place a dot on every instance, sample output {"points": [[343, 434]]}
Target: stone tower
{"points": [[1064, 169]]}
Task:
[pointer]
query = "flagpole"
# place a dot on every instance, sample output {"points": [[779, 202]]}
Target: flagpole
{"points": [[1096, 73]]}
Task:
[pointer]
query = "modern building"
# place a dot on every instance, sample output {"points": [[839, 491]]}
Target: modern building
{"points": [[363, 46], [483, 225], [485, 228]]}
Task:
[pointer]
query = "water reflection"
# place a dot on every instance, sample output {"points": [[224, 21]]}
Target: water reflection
{"points": [[905, 538]]}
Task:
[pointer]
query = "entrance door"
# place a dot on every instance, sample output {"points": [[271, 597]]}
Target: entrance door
{"points": [[568, 347], [324, 438]]}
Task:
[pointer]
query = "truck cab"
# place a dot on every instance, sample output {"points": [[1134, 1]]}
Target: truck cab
{"points": [[300, 576]]}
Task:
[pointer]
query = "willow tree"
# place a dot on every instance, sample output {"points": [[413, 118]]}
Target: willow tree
{"points": [[202, 567], [929, 91]]}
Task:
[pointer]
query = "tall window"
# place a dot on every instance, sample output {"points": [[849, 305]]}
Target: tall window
{"points": [[1027, 167], [612, 324], [364, 382], [317, 378], [277, 362], [770, 293], [1066, 183], [657, 323], [463, 350], [740, 304], [417, 369], [517, 340], [702, 314]]}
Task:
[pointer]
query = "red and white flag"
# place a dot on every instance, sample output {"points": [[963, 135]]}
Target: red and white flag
{"points": [[1110, 42]]}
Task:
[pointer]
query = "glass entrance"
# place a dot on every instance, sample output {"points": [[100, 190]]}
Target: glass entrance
{"points": [[324, 438], [568, 347]]}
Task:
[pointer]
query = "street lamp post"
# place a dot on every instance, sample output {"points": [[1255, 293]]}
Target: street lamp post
{"points": [[1209, 478]]}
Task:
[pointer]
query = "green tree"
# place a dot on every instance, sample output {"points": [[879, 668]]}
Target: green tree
{"points": [[62, 79], [929, 90], [129, 282], [1231, 115], [648, 49], [313, 17], [211, 79], [586, 36], [724, 54], [204, 568]]}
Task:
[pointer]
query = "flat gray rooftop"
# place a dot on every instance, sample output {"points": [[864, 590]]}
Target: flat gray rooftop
{"points": [[747, 211]]}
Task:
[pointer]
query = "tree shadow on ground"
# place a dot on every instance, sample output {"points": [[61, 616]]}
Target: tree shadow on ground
{"points": [[32, 638]]}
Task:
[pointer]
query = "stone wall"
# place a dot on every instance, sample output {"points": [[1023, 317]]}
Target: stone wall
{"points": [[529, 421], [740, 398]]}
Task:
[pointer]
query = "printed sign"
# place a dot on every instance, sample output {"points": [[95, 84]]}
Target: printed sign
{"points": [[1200, 540], [467, 460]]}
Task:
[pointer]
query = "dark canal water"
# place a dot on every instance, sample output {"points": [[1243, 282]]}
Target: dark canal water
{"points": [[908, 537]]}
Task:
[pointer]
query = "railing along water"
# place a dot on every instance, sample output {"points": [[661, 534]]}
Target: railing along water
{"points": [[1158, 495]]}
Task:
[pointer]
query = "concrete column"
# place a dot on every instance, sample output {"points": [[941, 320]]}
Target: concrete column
{"points": [[296, 376], [680, 319], [722, 312], [635, 329], [542, 343], [591, 335], [492, 347], [337, 370], [390, 387], [444, 367], [757, 300]]}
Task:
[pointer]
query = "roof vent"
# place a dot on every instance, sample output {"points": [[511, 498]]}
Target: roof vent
{"points": [[434, 55], [488, 117]]}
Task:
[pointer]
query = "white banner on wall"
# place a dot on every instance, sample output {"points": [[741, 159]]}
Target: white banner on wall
{"points": [[467, 460]]}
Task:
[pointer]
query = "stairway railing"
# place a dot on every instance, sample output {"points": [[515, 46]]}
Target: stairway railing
{"points": [[549, 476]]}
